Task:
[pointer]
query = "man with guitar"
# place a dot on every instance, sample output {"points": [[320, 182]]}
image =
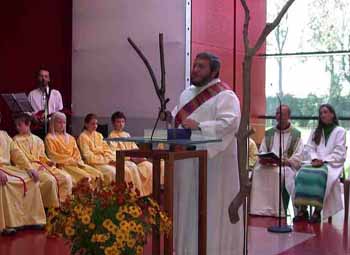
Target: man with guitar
{"points": [[44, 101]]}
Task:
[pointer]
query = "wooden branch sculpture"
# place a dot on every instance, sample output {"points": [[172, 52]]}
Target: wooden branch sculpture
{"points": [[244, 130], [163, 115]]}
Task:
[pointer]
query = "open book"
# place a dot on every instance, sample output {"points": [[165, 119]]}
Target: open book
{"points": [[268, 156]]}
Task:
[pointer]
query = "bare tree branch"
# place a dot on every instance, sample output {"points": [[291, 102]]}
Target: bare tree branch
{"points": [[244, 129], [271, 26], [284, 39], [162, 63], [246, 25], [148, 66]]}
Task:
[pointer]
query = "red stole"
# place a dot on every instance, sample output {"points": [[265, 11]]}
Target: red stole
{"points": [[198, 100]]}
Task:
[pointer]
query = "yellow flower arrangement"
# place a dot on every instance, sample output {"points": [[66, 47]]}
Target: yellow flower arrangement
{"points": [[120, 216], [107, 220]]}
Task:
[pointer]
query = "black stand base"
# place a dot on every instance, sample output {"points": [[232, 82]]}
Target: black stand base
{"points": [[280, 229]]}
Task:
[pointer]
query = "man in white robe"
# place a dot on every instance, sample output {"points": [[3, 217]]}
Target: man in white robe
{"points": [[216, 114], [264, 195]]}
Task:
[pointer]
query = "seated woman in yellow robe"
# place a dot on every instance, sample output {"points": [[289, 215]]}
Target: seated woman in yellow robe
{"points": [[20, 199], [63, 150], [97, 153], [143, 166], [55, 184]]}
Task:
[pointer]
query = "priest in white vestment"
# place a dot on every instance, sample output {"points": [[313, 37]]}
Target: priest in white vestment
{"points": [[264, 195], [211, 107]]}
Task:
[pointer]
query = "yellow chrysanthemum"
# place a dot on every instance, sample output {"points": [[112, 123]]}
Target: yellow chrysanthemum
{"points": [[131, 243], [70, 220], [69, 231], [78, 208], [139, 228], [113, 230], [153, 203], [135, 211], [99, 238], [132, 226], [105, 238], [120, 216], [123, 209], [88, 211], [107, 223], [139, 250], [124, 225], [86, 219], [112, 250], [134, 214], [91, 226], [94, 238], [119, 244], [108, 251]]}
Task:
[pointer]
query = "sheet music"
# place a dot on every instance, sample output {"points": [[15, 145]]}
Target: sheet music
{"points": [[17, 102]]}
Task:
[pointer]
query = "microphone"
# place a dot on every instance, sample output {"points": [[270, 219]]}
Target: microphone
{"points": [[279, 98]]}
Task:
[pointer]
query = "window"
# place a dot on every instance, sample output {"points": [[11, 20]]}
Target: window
{"points": [[308, 61]]}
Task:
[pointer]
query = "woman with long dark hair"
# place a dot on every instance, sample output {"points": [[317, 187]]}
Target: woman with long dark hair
{"points": [[318, 184]]}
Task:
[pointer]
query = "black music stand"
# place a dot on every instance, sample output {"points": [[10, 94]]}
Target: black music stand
{"points": [[17, 103]]}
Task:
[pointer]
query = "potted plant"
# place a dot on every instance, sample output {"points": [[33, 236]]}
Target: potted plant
{"points": [[109, 219]]}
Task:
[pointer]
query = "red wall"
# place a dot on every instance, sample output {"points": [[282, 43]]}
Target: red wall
{"points": [[213, 30], [33, 34]]}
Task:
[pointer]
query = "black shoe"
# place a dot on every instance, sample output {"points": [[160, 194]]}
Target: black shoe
{"points": [[315, 218], [8, 231], [34, 227], [301, 216]]}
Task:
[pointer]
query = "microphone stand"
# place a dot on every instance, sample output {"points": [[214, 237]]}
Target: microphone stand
{"points": [[280, 228], [46, 109]]}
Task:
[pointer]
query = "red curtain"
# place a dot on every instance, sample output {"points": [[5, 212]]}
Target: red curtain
{"points": [[34, 34]]}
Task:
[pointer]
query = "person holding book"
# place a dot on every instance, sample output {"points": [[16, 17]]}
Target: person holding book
{"points": [[265, 184]]}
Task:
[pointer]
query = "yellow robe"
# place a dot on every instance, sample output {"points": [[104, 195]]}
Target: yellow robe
{"points": [[97, 153], [144, 168], [252, 151], [17, 209], [55, 184], [63, 150]]}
